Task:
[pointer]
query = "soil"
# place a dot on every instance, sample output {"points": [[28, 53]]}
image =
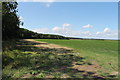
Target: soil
{"points": [[47, 45]]}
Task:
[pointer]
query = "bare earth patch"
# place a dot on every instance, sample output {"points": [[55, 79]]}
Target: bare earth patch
{"points": [[27, 76], [86, 67], [47, 45]]}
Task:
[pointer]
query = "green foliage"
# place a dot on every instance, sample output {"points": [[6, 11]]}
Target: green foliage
{"points": [[57, 75], [41, 75], [10, 20]]}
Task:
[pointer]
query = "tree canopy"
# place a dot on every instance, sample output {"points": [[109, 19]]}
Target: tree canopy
{"points": [[10, 20]]}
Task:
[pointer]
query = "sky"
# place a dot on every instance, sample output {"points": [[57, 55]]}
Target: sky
{"points": [[71, 19]]}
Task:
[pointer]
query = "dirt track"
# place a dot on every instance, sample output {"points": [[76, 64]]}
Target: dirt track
{"points": [[46, 45]]}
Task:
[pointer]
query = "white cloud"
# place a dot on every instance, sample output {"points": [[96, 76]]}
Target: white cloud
{"points": [[56, 29], [88, 26], [106, 30], [67, 31], [87, 33], [41, 30], [64, 29], [21, 26], [21, 18], [46, 3], [98, 33], [107, 33]]}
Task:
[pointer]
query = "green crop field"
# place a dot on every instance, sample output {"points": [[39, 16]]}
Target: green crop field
{"points": [[103, 52]]}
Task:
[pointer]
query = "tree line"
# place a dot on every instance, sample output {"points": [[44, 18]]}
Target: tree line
{"points": [[11, 23], [27, 34]]}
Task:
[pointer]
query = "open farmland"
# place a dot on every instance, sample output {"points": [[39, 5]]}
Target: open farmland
{"points": [[102, 52], [59, 40]]}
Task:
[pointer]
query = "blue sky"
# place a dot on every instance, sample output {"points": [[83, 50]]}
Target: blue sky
{"points": [[75, 19]]}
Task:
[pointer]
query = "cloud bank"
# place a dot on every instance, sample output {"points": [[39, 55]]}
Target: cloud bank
{"points": [[65, 30]]}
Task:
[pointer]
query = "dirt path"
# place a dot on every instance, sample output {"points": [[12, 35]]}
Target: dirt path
{"points": [[46, 45]]}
